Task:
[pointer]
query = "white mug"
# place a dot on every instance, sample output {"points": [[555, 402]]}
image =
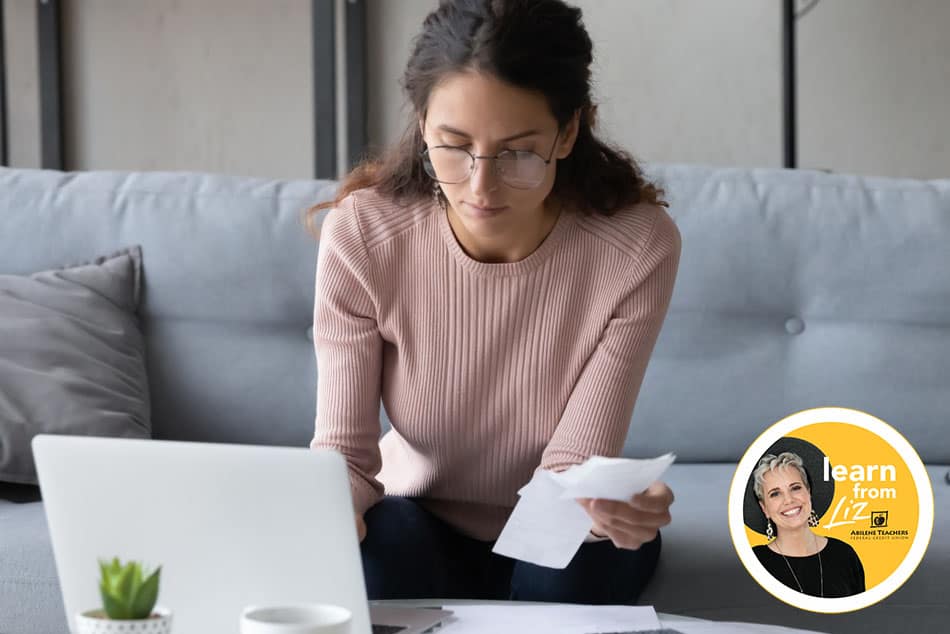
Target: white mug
{"points": [[304, 618]]}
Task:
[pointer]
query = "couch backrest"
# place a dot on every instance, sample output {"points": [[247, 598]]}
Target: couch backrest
{"points": [[796, 289], [800, 289], [228, 287]]}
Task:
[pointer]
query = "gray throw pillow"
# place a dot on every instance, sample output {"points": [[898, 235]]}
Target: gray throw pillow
{"points": [[72, 357]]}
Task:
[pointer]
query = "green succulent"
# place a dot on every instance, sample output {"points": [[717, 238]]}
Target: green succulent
{"points": [[127, 593]]}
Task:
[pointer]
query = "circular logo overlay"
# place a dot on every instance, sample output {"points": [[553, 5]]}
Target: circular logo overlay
{"points": [[831, 510]]}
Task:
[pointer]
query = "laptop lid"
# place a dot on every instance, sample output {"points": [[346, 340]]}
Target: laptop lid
{"points": [[231, 525]]}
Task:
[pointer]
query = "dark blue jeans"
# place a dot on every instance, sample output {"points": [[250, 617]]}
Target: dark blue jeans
{"points": [[408, 553]]}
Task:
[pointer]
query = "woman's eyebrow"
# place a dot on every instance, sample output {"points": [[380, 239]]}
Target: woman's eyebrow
{"points": [[451, 130], [790, 484]]}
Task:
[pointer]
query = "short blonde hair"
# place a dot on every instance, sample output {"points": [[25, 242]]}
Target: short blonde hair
{"points": [[768, 462]]}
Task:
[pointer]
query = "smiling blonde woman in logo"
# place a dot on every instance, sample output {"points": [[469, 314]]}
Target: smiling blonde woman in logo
{"points": [[804, 561]]}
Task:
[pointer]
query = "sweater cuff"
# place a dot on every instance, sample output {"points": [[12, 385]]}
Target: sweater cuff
{"points": [[591, 538]]}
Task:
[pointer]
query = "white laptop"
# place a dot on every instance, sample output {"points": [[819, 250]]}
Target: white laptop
{"points": [[231, 526]]}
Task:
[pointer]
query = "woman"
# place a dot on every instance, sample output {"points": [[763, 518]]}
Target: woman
{"points": [[796, 556], [499, 279]]}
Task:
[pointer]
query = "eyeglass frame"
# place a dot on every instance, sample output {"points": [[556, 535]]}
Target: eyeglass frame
{"points": [[547, 161]]}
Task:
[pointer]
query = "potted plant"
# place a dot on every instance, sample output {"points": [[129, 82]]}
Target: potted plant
{"points": [[128, 602]]}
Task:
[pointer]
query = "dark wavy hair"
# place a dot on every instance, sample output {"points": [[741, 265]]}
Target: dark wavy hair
{"points": [[537, 45]]}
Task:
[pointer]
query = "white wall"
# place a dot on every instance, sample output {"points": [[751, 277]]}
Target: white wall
{"points": [[226, 85], [390, 27], [874, 79], [221, 85], [698, 81], [22, 83], [676, 80], [688, 81]]}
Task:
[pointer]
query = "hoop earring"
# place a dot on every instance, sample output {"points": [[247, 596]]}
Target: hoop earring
{"points": [[769, 533], [813, 519]]}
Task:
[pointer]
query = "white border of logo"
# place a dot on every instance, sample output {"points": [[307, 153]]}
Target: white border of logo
{"points": [[925, 507]]}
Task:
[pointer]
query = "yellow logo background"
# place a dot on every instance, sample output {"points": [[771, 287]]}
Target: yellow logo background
{"points": [[881, 549]]}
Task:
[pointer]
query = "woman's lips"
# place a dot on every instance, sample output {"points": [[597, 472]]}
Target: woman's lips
{"points": [[792, 512], [480, 211]]}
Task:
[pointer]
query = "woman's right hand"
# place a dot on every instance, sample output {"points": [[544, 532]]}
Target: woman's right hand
{"points": [[360, 527]]}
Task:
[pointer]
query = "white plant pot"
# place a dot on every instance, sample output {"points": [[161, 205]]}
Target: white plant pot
{"points": [[95, 622]]}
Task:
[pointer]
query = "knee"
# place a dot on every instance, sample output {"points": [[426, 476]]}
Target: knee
{"points": [[398, 546], [397, 528], [391, 518]]}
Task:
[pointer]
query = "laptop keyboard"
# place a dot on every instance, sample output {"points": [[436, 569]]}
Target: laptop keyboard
{"points": [[387, 629]]}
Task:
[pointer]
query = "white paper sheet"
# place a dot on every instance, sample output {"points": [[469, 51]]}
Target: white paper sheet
{"points": [[612, 478], [544, 528], [548, 525], [550, 619]]}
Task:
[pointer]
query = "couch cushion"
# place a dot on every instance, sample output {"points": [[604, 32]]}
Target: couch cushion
{"points": [[72, 357], [700, 574], [29, 590], [228, 290]]}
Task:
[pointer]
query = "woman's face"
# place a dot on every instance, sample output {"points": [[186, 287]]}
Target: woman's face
{"points": [[785, 498], [486, 116]]}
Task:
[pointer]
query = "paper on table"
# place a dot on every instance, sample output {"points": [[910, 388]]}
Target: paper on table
{"points": [[723, 627], [550, 619], [547, 526]]}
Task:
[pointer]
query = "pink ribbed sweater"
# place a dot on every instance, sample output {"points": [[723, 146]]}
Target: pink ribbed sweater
{"points": [[487, 371]]}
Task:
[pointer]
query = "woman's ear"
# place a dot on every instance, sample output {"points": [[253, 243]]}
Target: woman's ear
{"points": [[762, 506], [569, 136]]}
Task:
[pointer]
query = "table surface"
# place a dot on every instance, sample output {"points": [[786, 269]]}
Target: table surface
{"points": [[666, 620]]}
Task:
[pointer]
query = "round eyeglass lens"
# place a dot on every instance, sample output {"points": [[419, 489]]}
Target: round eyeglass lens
{"points": [[448, 165], [521, 170], [518, 169]]}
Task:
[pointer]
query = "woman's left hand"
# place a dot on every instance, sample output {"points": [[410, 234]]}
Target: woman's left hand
{"points": [[634, 523]]}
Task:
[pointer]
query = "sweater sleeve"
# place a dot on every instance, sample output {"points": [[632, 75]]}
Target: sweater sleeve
{"points": [[597, 416], [349, 353]]}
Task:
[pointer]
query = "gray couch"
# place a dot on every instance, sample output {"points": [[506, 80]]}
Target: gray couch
{"points": [[796, 289]]}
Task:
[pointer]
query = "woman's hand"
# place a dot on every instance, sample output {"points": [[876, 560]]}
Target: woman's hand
{"points": [[360, 527], [634, 523]]}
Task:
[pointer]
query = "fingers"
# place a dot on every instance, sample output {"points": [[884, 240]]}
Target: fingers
{"points": [[634, 523], [360, 528], [622, 515], [627, 536], [656, 498]]}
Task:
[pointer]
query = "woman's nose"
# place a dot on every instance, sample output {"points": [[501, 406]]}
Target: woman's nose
{"points": [[483, 179]]}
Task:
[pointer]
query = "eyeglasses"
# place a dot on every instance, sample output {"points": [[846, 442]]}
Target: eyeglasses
{"points": [[520, 169]]}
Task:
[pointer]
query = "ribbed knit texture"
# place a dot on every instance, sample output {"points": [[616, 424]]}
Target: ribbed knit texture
{"points": [[487, 371]]}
